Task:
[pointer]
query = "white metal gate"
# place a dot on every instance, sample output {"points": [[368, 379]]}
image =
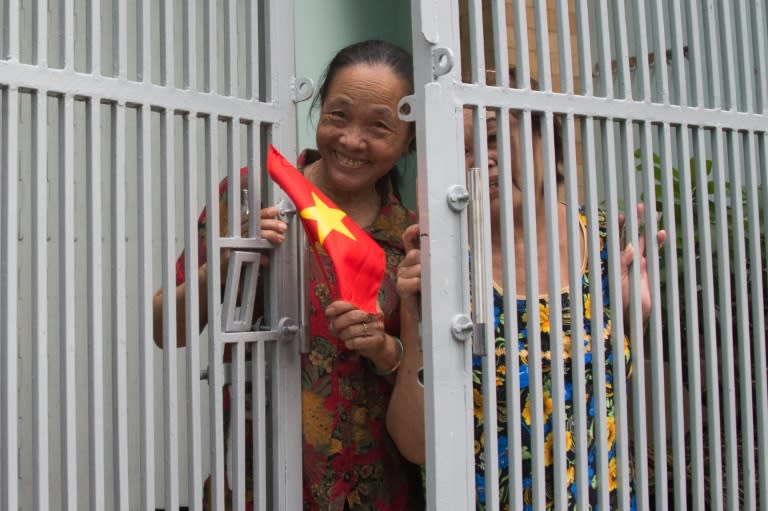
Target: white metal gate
{"points": [[660, 102], [119, 120]]}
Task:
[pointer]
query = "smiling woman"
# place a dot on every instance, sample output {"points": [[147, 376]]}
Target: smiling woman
{"points": [[349, 460]]}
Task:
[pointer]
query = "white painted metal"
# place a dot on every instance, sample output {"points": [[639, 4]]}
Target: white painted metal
{"points": [[74, 212]]}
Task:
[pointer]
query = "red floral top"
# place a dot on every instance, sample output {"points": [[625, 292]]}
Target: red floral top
{"points": [[348, 454]]}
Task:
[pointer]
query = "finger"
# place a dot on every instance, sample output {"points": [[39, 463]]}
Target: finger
{"points": [[270, 212], [338, 308], [411, 237], [627, 255], [661, 237]]}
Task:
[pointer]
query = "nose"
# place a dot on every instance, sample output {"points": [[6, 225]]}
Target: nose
{"points": [[353, 137]]}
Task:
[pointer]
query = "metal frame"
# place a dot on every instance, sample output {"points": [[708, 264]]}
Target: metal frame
{"points": [[87, 127]]}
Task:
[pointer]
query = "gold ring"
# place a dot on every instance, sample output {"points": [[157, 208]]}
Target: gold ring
{"points": [[365, 328]]}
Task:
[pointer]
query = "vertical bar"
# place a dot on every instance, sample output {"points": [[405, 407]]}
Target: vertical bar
{"points": [[170, 380], [673, 335], [192, 309], [725, 340], [622, 57], [689, 283], [511, 353], [542, 45], [94, 36], [606, 75], [119, 321], [713, 352], [254, 158], [122, 38], [659, 22], [656, 338], [146, 348], [711, 36], [230, 49], [598, 349], [501, 51], [233, 177], [215, 351], [745, 430], [641, 50], [596, 313], [744, 50], [483, 338], [552, 210], [95, 307], [190, 49], [68, 10], [727, 39], [259, 412], [761, 359], [257, 367], [144, 56], [564, 48], [12, 31], [9, 298], [252, 51], [167, 52], [521, 43], [759, 36], [476, 42], [67, 306], [40, 43], [532, 299], [40, 298], [576, 254], [237, 424], [585, 49]]}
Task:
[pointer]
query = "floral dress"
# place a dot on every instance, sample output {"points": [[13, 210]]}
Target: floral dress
{"points": [[349, 458], [603, 331]]}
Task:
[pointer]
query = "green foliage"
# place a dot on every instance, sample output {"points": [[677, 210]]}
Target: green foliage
{"points": [[711, 224]]}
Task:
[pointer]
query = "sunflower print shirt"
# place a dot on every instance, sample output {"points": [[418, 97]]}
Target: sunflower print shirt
{"points": [[602, 332]]}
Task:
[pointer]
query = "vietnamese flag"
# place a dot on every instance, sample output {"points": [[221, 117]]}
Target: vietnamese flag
{"points": [[358, 260]]}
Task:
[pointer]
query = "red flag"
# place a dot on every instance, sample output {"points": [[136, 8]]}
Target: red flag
{"points": [[358, 260]]}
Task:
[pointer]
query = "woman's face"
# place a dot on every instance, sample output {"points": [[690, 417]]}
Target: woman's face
{"points": [[360, 136], [493, 158]]}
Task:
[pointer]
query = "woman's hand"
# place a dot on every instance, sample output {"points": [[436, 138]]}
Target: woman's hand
{"points": [[362, 332], [409, 272], [627, 258], [272, 229]]}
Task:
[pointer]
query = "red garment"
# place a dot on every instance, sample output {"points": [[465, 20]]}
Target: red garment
{"points": [[347, 452]]}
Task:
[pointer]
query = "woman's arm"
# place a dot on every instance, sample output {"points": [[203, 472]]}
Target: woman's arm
{"points": [[181, 313], [272, 229], [405, 414]]}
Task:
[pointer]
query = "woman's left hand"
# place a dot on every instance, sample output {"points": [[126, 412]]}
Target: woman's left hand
{"points": [[627, 258], [361, 331]]}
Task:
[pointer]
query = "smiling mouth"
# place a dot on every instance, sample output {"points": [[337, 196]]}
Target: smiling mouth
{"points": [[350, 162], [493, 182]]}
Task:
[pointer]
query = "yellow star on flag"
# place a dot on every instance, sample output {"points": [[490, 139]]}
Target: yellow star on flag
{"points": [[328, 219]]}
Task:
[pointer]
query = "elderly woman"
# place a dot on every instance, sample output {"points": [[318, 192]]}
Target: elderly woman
{"points": [[405, 417], [349, 460]]}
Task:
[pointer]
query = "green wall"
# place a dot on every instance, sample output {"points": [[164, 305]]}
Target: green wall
{"points": [[325, 26]]}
